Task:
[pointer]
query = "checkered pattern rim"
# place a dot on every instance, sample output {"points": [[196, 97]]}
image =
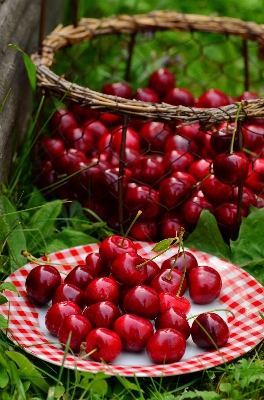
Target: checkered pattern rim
{"points": [[241, 293]]}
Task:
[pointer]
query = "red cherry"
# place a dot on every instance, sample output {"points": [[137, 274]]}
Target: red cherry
{"points": [[205, 284], [80, 276], [114, 245], [166, 346], [144, 231], [102, 314], [146, 170], [248, 197], [231, 169], [83, 113], [253, 135], [180, 160], [41, 283], [50, 148], [142, 300], [147, 95], [126, 269], [119, 89], [181, 143], [153, 135], [212, 98], [76, 325], [63, 164], [170, 223], [210, 331], [173, 191], [96, 128], [81, 139], [162, 80], [173, 318], [200, 169], [62, 121], [142, 198], [226, 216], [221, 139], [255, 179], [101, 289], [168, 300], [169, 281], [134, 331], [216, 191], [192, 208], [69, 292], [95, 263], [184, 262], [56, 314], [107, 344], [152, 270], [248, 95], [179, 97]]}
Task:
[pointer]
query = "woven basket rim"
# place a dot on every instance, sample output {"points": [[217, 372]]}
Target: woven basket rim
{"points": [[89, 28]]}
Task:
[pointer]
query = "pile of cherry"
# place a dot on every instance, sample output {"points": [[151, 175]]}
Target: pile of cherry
{"points": [[119, 300], [169, 171]]}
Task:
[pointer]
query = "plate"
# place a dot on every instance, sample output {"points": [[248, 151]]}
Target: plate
{"points": [[240, 293]]}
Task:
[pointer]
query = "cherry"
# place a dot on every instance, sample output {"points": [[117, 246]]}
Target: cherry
{"points": [[200, 169], [67, 291], [144, 231], [168, 300], [161, 80], [173, 191], [248, 95], [80, 276], [231, 169], [130, 155], [192, 208], [181, 143], [215, 191], [114, 245], [101, 289], [78, 327], [56, 314], [134, 331], [175, 318], [64, 163], [179, 97], [212, 98], [226, 216], [147, 170], [209, 331], [96, 128], [152, 270], [106, 182], [144, 198], [169, 224], [50, 148], [147, 95], [81, 139], [185, 177], [102, 314], [191, 132], [62, 121], [119, 89], [255, 179], [153, 135], [142, 300], [103, 344], [221, 139], [83, 113], [184, 262], [110, 119], [132, 139], [205, 284], [248, 197], [41, 283], [127, 269], [180, 160], [166, 346], [253, 135], [95, 263], [169, 281]]}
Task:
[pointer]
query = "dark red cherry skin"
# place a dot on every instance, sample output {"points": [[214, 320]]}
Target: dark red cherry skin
{"points": [[147, 94], [102, 289], [120, 89], [170, 223], [220, 140], [56, 314], [161, 80], [144, 231], [107, 343], [216, 191], [113, 246], [80, 276], [102, 314], [95, 263], [212, 98], [62, 121], [142, 300], [134, 331], [69, 292], [248, 197], [205, 284], [166, 346], [173, 318], [226, 216], [217, 331], [248, 95], [51, 148], [183, 262], [41, 283], [153, 135], [255, 179], [253, 136], [192, 209], [200, 169], [179, 160], [126, 269], [96, 128], [76, 325], [142, 198], [169, 281], [147, 170], [168, 300], [179, 97], [152, 270], [231, 169], [173, 191]]}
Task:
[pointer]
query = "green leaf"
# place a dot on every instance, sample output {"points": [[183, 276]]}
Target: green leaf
{"points": [[30, 67], [3, 299], [14, 377], [99, 386], [207, 395], [225, 387], [4, 101], [163, 245], [67, 238], [4, 378], [261, 315], [8, 286], [28, 371], [36, 199], [248, 248], [42, 222], [207, 238], [16, 240]]}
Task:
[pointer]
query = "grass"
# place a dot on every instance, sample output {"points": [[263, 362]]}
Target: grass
{"points": [[45, 226]]}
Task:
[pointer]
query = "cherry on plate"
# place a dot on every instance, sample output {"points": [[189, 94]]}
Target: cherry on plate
{"points": [[209, 331], [166, 346]]}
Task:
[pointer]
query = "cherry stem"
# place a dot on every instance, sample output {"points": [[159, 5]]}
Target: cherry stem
{"points": [[161, 252], [180, 241], [235, 128], [37, 261], [251, 153], [82, 349], [130, 226], [216, 309]]}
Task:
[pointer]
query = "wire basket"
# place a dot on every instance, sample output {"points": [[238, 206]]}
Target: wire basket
{"points": [[129, 49]]}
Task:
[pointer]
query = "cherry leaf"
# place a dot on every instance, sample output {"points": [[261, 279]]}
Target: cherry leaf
{"points": [[163, 245]]}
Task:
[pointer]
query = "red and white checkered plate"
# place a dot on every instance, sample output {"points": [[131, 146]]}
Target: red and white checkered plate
{"points": [[241, 293]]}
